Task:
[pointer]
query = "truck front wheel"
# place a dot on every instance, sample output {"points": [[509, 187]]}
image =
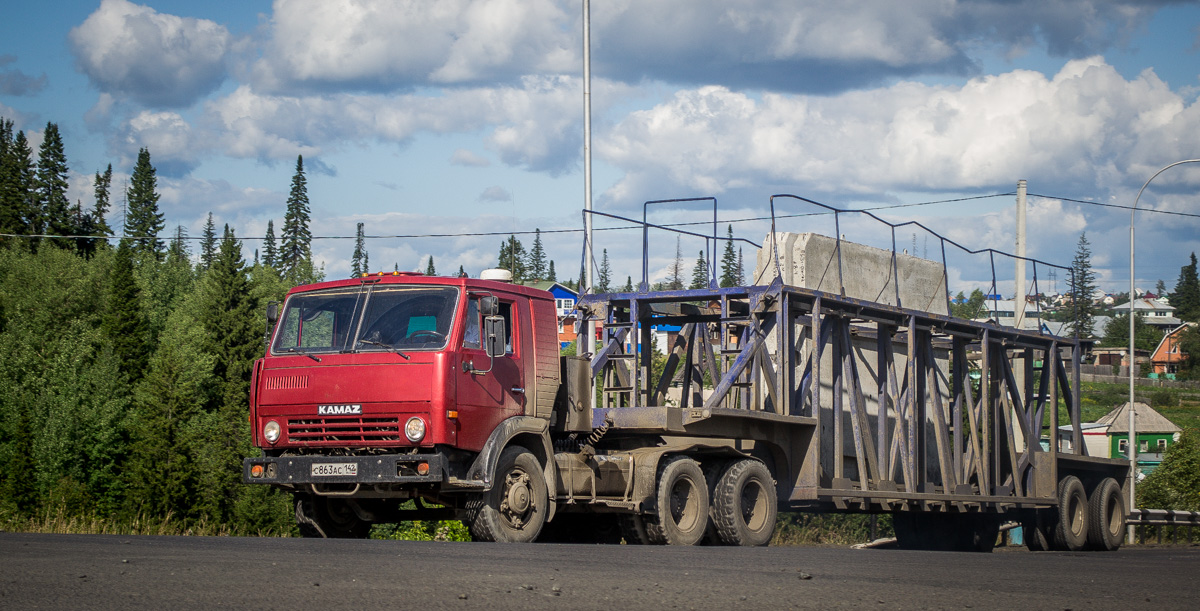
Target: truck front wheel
{"points": [[515, 509]]}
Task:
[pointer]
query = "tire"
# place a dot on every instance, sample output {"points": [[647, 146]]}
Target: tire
{"points": [[514, 510], [1071, 531], [322, 517], [682, 496], [1106, 516], [744, 504]]}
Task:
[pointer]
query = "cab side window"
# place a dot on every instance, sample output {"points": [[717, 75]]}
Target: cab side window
{"points": [[506, 311], [471, 333]]}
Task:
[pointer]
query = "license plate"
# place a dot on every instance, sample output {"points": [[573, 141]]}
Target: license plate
{"points": [[336, 469]]}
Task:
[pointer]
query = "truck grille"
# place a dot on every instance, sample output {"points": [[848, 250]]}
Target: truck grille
{"points": [[343, 430]]}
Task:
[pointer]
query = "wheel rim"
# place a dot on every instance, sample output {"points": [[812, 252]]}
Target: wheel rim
{"points": [[1115, 515], [754, 505], [1077, 510], [518, 499], [685, 504]]}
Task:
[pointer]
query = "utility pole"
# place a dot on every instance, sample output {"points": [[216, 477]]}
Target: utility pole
{"points": [[1019, 298], [587, 165]]}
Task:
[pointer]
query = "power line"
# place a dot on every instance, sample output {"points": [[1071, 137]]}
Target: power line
{"points": [[483, 234]]}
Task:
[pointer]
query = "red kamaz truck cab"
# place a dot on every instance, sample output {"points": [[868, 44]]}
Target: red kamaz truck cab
{"points": [[394, 386]]}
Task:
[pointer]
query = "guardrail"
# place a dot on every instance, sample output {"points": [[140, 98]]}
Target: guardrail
{"points": [[1153, 520], [1164, 517]]}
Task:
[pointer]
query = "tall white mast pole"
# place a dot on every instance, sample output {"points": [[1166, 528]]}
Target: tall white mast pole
{"points": [[587, 159]]}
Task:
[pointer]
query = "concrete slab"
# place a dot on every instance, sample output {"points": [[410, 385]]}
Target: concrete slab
{"points": [[810, 260]]}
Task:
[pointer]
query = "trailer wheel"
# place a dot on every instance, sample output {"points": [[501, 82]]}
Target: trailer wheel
{"points": [[1071, 532], [321, 517], [514, 510], [745, 505], [1106, 516], [682, 497]]}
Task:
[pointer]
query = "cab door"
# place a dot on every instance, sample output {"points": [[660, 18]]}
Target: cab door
{"points": [[488, 397]]}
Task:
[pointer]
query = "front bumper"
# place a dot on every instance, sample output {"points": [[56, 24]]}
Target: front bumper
{"points": [[366, 470]]}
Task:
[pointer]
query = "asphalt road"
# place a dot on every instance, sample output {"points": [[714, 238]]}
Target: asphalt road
{"points": [[113, 572]]}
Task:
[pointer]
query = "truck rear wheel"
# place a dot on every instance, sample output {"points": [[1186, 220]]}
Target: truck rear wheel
{"points": [[1071, 532], [515, 509], [1106, 516], [745, 504], [682, 496]]}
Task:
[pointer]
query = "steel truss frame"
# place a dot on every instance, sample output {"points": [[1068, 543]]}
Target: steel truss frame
{"points": [[805, 373]]}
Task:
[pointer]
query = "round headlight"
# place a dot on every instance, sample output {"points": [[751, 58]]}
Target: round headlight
{"points": [[271, 431], [414, 429]]}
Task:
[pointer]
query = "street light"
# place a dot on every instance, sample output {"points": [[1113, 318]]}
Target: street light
{"points": [[1131, 444]]}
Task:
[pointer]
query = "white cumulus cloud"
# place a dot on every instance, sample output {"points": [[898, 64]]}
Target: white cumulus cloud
{"points": [[132, 51], [1086, 126], [369, 45]]}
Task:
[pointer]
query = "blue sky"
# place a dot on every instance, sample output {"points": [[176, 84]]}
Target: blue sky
{"points": [[465, 116]]}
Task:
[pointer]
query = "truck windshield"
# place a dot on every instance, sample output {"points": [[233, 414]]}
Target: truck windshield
{"points": [[389, 317]]}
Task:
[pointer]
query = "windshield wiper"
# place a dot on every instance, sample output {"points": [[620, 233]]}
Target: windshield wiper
{"points": [[302, 352], [383, 345]]}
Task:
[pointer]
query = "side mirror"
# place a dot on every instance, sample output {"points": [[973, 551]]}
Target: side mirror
{"points": [[493, 336], [489, 305], [272, 313]]}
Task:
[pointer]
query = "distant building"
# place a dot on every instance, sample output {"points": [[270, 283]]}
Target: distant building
{"points": [[1108, 437], [1167, 356], [1154, 312], [564, 307]]}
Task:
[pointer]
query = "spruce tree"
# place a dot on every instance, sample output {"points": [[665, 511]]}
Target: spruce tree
{"points": [[178, 251], [1082, 284], [604, 281], [536, 267], [124, 323], [675, 272], [296, 252], [270, 250], [512, 258], [208, 246], [228, 318], [103, 188], [729, 262], [741, 269], [550, 275], [1186, 297], [700, 273], [462, 273], [13, 197], [628, 288], [430, 270], [53, 215], [143, 220], [357, 263]]}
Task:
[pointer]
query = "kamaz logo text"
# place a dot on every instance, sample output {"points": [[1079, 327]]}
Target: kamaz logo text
{"points": [[339, 410]]}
